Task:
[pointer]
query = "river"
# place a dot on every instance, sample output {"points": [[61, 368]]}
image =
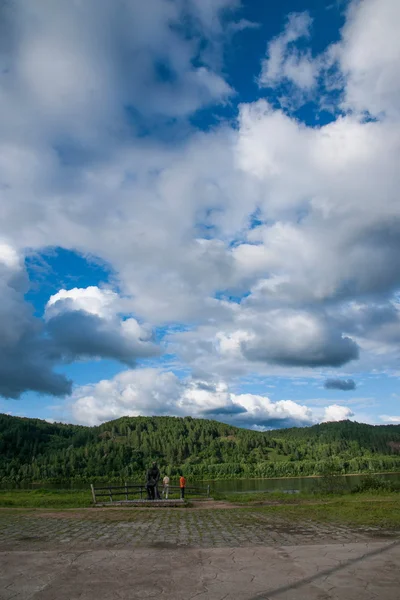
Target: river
{"points": [[283, 484], [287, 484]]}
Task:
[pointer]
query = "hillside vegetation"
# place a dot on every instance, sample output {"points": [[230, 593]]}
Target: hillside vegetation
{"points": [[34, 450]]}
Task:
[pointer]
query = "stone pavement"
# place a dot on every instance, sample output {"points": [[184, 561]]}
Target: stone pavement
{"points": [[188, 554], [169, 527]]}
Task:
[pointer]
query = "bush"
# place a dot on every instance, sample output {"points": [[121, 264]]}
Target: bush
{"points": [[372, 483], [330, 481]]}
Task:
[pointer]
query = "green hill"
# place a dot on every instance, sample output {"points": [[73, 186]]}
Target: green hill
{"points": [[34, 450]]}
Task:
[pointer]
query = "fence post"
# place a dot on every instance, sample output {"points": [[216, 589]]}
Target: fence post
{"points": [[93, 493], [126, 491], [109, 490], [208, 491]]}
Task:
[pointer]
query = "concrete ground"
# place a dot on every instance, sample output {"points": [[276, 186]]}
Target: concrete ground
{"points": [[187, 554]]}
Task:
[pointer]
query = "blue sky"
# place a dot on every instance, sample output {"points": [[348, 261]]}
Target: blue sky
{"points": [[200, 210]]}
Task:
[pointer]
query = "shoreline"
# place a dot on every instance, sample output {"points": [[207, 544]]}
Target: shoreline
{"points": [[200, 481], [302, 476]]}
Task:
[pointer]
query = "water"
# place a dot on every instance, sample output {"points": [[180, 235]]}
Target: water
{"points": [[287, 484], [282, 484]]}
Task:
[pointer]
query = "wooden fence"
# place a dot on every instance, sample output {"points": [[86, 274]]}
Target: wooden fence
{"points": [[134, 492]]}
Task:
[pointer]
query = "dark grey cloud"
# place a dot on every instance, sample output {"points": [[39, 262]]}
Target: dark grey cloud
{"points": [[207, 387], [28, 363], [29, 366], [31, 348], [230, 409], [379, 320], [333, 352], [251, 421], [374, 254], [340, 384], [78, 334], [27, 356]]}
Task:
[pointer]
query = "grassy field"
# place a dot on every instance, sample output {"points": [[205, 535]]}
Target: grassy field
{"points": [[366, 511], [42, 498], [363, 509]]}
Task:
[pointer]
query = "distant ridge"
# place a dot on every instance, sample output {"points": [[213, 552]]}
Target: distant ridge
{"points": [[35, 450]]}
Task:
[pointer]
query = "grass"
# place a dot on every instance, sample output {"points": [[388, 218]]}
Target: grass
{"points": [[55, 499], [368, 509], [254, 497], [381, 511], [42, 498]]}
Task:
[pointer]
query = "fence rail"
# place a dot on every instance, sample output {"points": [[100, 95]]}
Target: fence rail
{"points": [[127, 491]]}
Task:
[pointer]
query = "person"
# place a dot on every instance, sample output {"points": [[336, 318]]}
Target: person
{"points": [[165, 487], [182, 485], [153, 476]]}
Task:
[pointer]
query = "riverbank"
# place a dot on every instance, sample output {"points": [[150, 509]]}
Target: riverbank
{"points": [[78, 483], [361, 509]]}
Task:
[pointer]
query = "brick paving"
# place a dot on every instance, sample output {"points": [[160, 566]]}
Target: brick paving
{"points": [[185, 554], [167, 528]]}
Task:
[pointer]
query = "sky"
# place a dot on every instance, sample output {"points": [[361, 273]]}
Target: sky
{"points": [[199, 210]]}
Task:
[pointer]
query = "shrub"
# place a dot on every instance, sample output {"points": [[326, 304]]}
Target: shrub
{"points": [[330, 481], [372, 483]]}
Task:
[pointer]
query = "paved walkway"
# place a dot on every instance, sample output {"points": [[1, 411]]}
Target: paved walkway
{"points": [[166, 527], [187, 554]]}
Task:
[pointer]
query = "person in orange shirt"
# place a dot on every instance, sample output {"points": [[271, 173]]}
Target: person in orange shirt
{"points": [[182, 485]]}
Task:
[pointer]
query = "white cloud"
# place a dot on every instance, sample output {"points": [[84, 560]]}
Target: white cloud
{"points": [[362, 66], [390, 419], [335, 412], [324, 238], [369, 57], [103, 303], [9, 257], [80, 62], [285, 62], [265, 340], [153, 392], [87, 322], [86, 100]]}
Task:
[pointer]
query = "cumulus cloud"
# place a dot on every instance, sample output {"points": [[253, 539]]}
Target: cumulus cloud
{"points": [[337, 413], [80, 324], [263, 339], [85, 323], [284, 61], [27, 358], [390, 419], [153, 392], [369, 57], [89, 92], [82, 62], [298, 339], [336, 249], [103, 303], [340, 384]]}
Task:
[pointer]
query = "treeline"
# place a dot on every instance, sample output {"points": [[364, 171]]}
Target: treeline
{"points": [[32, 450]]}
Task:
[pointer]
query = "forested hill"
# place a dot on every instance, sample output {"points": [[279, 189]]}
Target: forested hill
{"points": [[34, 450]]}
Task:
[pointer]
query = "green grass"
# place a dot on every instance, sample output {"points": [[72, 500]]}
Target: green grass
{"points": [[380, 511], [254, 497], [367, 509], [42, 498], [364, 509]]}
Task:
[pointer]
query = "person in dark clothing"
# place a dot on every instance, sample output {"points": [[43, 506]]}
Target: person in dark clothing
{"points": [[153, 476]]}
